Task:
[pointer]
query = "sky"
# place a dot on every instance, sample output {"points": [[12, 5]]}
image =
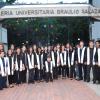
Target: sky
{"points": [[50, 1]]}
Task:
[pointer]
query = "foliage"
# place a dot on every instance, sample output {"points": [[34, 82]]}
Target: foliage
{"points": [[61, 29], [10, 1]]}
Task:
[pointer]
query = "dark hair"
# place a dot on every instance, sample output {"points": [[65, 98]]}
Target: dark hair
{"points": [[98, 41], [8, 54], [48, 56], [81, 41], [91, 41]]}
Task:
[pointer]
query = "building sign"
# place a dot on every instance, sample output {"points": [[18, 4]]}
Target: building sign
{"points": [[49, 11]]}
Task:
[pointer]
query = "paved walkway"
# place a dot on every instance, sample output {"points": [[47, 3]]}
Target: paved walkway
{"points": [[58, 90], [94, 87]]}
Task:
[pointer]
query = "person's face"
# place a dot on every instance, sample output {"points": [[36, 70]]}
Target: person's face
{"points": [[71, 48], [91, 44], [67, 45], [97, 44], [39, 49], [30, 49], [49, 48], [48, 59], [81, 44], [1, 47], [63, 48], [58, 46], [77, 46], [45, 48], [55, 48], [9, 52], [42, 48], [34, 47], [12, 47], [18, 50], [23, 48], [2, 54]]}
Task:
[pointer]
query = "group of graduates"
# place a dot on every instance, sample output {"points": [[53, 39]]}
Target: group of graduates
{"points": [[36, 64]]}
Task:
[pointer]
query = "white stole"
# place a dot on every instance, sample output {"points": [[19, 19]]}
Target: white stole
{"points": [[3, 71], [8, 66], [68, 59], [53, 59], [30, 61], [16, 65], [12, 72], [81, 57], [12, 65], [63, 60], [88, 55], [38, 61], [98, 56], [72, 58], [47, 67], [58, 58], [94, 51]]}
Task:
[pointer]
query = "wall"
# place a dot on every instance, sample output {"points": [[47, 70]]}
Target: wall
{"points": [[96, 24], [3, 38]]}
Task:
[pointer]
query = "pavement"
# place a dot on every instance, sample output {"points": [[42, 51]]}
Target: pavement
{"points": [[94, 87], [62, 89]]}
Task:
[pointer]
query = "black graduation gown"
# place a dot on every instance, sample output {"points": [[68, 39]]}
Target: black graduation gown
{"points": [[11, 77], [44, 59], [31, 76], [49, 74], [24, 62], [91, 66], [55, 68], [40, 71], [72, 67], [4, 78], [18, 73]]}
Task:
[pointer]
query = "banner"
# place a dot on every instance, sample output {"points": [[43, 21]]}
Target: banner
{"points": [[61, 10]]}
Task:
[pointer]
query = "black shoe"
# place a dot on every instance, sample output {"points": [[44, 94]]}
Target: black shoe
{"points": [[33, 82], [71, 78], [84, 80], [98, 82], [63, 78], [94, 82], [5, 87], [79, 79], [51, 80], [1, 88], [47, 81], [88, 81]]}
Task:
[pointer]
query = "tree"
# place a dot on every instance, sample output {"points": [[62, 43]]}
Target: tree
{"points": [[10, 1], [60, 29]]}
